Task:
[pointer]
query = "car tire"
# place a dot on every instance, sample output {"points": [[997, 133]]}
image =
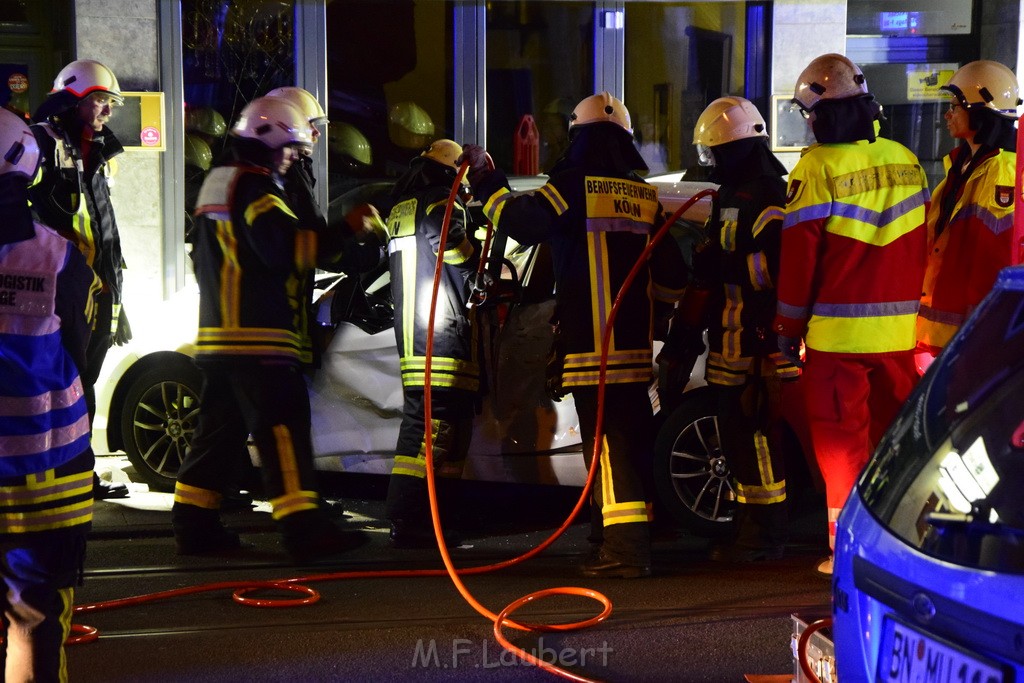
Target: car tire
{"points": [[159, 416], [691, 474]]}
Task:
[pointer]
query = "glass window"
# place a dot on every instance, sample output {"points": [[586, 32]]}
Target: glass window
{"points": [[948, 475], [390, 75], [233, 51], [679, 57], [540, 62]]}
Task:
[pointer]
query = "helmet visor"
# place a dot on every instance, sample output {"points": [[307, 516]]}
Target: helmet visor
{"points": [[705, 157]]}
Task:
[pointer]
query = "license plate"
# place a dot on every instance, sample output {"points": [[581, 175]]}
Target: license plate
{"points": [[908, 656]]}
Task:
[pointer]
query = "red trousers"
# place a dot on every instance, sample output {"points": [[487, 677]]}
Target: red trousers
{"points": [[851, 400]]}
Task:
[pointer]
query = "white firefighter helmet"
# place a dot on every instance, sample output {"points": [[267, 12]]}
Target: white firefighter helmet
{"points": [[275, 122], [829, 77], [304, 100], [444, 152], [19, 151], [601, 107], [986, 84], [83, 77], [725, 120]]}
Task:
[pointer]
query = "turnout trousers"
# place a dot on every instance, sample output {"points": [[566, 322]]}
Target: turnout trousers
{"points": [[624, 479], [268, 401], [451, 415], [851, 400]]}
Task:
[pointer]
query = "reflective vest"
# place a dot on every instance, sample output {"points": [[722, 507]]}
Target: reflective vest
{"points": [[853, 248], [44, 422], [414, 228], [975, 244]]}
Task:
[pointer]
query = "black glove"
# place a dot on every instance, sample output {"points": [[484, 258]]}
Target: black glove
{"points": [[790, 347], [120, 330], [480, 163]]}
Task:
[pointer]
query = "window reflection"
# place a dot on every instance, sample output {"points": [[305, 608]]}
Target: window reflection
{"points": [[232, 52], [389, 74], [679, 57], [539, 63]]}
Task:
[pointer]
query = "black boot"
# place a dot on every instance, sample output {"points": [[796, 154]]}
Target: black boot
{"points": [[198, 531], [761, 535], [420, 534], [309, 535]]}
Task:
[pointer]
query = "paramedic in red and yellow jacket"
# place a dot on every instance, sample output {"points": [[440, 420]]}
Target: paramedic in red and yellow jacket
{"points": [[853, 256], [970, 220]]}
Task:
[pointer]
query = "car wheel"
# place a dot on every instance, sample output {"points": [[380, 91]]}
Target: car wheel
{"points": [[691, 473], [160, 412]]}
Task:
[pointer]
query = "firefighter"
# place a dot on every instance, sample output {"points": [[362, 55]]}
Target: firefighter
{"points": [[970, 219], [598, 215], [852, 264], [72, 196], [739, 263], [47, 302], [414, 227], [251, 259]]}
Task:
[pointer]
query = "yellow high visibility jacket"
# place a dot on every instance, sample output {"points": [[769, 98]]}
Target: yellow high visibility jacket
{"points": [[853, 248]]}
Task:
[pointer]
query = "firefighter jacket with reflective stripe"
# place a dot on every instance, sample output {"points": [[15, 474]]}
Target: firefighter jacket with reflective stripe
{"points": [[746, 220], [46, 304], [72, 196], [970, 239], [414, 228], [251, 260], [853, 248], [598, 224]]}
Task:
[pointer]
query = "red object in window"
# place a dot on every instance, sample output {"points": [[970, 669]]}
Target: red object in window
{"points": [[526, 148]]}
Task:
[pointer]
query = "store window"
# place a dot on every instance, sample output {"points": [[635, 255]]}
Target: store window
{"points": [[389, 73], [679, 57], [540, 63], [233, 51]]}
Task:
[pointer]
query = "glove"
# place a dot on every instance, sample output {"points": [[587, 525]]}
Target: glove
{"points": [[120, 330], [790, 348], [364, 221], [480, 162]]}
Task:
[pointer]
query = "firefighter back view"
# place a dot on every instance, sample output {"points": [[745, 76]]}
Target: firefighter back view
{"points": [[414, 226], [598, 215], [739, 264], [251, 259], [47, 293], [852, 264]]}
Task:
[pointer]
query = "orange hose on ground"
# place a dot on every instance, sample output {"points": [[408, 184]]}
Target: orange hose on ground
{"points": [[501, 619]]}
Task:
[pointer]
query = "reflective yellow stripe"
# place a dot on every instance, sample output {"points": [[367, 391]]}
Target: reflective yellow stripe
{"points": [[459, 254], [292, 502], [46, 520], [624, 513], [878, 334], [230, 275], [67, 601], [550, 193], [607, 489], [45, 487], [495, 203], [193, 495], [600, 298], [267, 202]]}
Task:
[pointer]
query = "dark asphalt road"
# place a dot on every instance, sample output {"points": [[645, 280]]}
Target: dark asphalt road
{"points": [[693, 621]]}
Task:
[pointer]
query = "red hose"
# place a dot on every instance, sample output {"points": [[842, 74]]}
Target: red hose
{"points": [[501, 619], [801, 647]]}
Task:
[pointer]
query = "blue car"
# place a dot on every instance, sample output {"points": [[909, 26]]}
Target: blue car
{"points": [[929, 563]]}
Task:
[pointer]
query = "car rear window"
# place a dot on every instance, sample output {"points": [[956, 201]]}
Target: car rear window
{"points": [[948, 478]]}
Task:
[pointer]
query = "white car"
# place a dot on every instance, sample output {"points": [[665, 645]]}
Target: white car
{"points": [[149, 397]]}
